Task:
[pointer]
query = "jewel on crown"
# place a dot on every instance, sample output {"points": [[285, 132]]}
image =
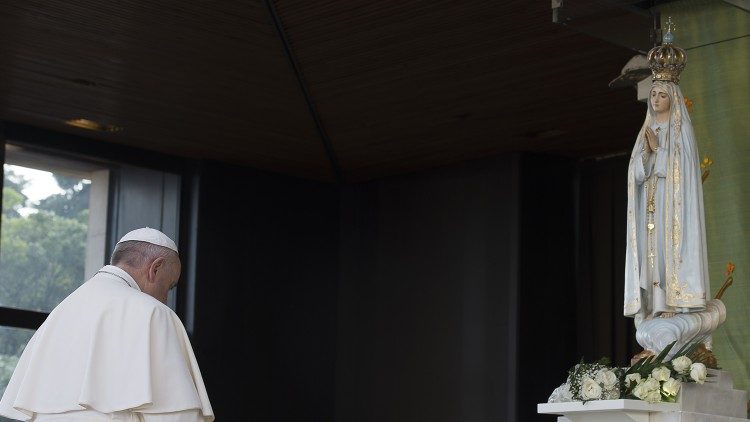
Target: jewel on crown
{"points": [[667, 60]]}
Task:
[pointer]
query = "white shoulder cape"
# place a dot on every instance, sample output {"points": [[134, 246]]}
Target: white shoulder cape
{"points": [[107, 347]]}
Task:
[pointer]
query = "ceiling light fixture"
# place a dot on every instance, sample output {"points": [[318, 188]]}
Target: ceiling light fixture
{"points": [[92, 125]]}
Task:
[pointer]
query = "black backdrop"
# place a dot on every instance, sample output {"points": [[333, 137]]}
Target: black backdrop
{"points": [[602, 200], [265, 299], [461, 293], [427, 297]]}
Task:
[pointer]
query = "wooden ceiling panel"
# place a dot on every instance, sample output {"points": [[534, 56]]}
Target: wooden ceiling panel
{"points": [[398, 85], [191, 78], [406, 85]]}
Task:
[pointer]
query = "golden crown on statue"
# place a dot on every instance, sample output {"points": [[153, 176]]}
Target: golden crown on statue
{"points": [[667, 61]]}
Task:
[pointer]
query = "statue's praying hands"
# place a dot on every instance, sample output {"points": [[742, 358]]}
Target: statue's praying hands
{"points": [[652, 140]]}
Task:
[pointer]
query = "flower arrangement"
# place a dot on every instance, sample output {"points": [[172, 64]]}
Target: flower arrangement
{"points": [[594, 381], [651, 379]]}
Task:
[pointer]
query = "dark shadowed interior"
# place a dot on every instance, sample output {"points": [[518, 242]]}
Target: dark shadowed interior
{"points": [[388, 211]]}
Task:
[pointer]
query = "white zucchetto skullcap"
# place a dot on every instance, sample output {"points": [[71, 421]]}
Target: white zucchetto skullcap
{"points": [[149, 235]]}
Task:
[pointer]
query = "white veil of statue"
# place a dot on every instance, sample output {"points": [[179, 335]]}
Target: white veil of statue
{"points": [[666, 268]]}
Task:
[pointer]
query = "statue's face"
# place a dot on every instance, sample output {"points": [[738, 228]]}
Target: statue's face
{"points": [[660, 100]]}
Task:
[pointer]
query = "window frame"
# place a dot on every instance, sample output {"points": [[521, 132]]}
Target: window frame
{"points": [[111, 155], [14, 317]]}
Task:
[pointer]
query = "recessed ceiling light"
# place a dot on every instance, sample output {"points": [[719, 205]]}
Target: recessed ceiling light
{"points": [[92, 125]]}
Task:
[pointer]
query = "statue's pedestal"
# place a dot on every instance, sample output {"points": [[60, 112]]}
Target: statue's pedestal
{"points": [[716, 401]]}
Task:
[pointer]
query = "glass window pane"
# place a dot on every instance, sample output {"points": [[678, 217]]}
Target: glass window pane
{"points": [[12, 343], [43, 238]]}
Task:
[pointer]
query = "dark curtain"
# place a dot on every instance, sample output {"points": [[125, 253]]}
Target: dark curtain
{"points": [[426, 317], [266, 295], [600, 264], [572, 266], [547, 282]]}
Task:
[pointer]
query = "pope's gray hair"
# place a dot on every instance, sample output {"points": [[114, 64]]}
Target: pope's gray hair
{"points": [[136, 254]]}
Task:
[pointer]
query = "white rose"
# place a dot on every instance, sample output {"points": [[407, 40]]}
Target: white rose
{"points": [[640, 392], [590, 389], [632, 378], [607, 378], [653, 396], [612, 394], [651, 384], [661, 373], [671, 387], [682, 364], [698, 372]]}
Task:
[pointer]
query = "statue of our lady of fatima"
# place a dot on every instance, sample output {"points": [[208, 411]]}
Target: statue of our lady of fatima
{"points": [[666, 270]]}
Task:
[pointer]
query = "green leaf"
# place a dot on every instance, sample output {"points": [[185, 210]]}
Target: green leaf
{"points": [[660, 357]]}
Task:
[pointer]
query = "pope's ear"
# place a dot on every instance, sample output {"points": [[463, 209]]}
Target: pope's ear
{"points": [[156, 265]]}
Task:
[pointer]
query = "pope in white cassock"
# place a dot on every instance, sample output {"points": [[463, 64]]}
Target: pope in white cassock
{"points": [[113, 350]]}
